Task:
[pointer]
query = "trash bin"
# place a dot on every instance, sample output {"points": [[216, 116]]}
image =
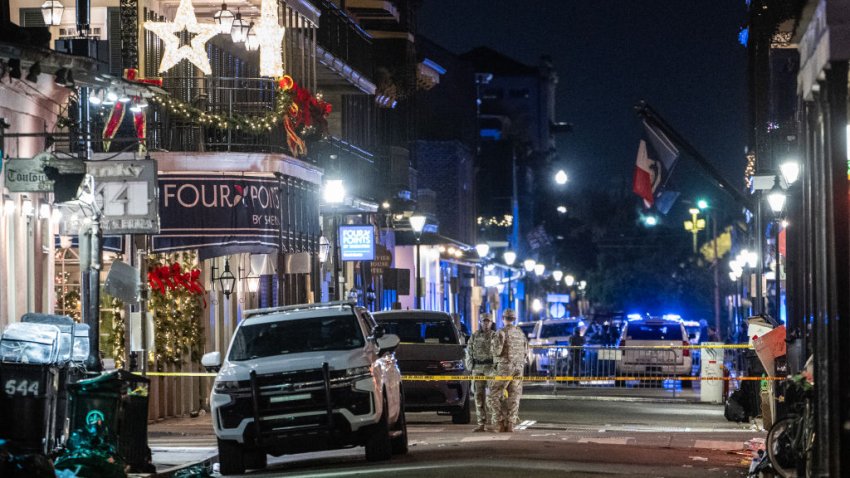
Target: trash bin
{"points": [[119, 400], [29, 384], [28, 406]]}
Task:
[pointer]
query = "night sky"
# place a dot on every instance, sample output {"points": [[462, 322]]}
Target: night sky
{"points": [[683, 57]]}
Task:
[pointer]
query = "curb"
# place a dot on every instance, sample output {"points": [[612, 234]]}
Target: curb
{"points": [[169, 472], [531, 396]]}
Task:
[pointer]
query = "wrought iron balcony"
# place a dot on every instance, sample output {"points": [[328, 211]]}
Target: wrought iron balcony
{"points": [[185, 120], [341, 36]]}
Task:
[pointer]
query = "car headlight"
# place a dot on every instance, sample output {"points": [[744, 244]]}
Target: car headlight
{"points": [[226, 386], [452, 366]]}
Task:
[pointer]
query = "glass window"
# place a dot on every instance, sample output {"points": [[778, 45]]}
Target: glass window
{"points": [[557, 330], [654, 332], [341, 332], [421, 331]]}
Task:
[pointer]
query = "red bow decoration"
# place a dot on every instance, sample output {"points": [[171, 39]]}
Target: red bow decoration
{"points": [[118, 109], [306, 110], [165, 278]]}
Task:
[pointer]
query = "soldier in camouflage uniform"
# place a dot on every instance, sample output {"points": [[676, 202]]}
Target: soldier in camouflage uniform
{"points": [[479, 361], [510, 352]]}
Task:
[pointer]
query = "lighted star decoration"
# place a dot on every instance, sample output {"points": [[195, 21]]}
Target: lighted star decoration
{"points": [[171, 32], [270, 36]]}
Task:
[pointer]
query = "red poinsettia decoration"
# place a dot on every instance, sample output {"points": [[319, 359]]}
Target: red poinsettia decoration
{"points": [[307, 111], [165, 278]]}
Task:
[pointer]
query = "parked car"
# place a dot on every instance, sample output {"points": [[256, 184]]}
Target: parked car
{"points": [[552, 332], [654, 332], [430, 344], [306, 378]]}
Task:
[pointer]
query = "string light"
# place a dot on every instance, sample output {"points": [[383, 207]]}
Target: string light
{"points": [[270, 37], [184, 20]]}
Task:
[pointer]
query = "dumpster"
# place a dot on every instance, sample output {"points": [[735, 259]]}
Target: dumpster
{"points": [[29, 384], [116, 403]]}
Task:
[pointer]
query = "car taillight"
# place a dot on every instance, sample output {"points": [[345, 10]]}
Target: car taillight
{"points": [[686, 352]]}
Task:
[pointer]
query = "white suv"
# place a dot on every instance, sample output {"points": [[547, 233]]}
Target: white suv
{"points": [[306, 378], [654, 346]]}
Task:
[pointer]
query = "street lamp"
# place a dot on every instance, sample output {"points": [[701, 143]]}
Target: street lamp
{"points": [[790, 171], [561, 177], [529, 264], [695, 225], [569, 280], [776, 197], [650, 220], [417, 223], [334, 195], [539, 269], [226, 280], [482, 249], [557, 275], [52, 10], [510, 257]]}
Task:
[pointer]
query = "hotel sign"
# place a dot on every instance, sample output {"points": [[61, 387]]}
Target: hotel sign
{"points": [[357, 243]]}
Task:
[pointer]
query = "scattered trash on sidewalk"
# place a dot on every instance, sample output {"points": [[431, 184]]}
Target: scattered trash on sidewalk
{"points": [[699, 458]]}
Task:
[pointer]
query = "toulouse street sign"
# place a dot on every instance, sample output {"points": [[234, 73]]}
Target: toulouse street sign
{"points": [[27, 176]]}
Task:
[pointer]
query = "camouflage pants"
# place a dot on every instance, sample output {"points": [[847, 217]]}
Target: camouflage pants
{"points": [[505, 394], [479, 390]]}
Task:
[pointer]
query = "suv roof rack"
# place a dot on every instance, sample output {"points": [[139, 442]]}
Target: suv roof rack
{"points": [[287, 308]]}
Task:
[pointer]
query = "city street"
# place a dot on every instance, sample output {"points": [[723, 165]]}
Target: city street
{"points": [[573, 433]]}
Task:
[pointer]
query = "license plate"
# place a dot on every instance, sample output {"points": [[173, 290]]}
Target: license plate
{"points": [[289, 398]]}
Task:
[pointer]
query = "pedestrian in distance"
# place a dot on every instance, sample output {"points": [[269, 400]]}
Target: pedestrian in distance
{"points": [[479, 361], [510, 352], [713, 336]]}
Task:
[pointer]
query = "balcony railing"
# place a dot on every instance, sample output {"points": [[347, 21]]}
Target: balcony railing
{"points": [[170, 131], [342, 37]]}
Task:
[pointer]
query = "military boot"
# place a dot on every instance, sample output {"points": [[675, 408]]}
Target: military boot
{"points": [[479, 428], [503, 427], [509, 427]]}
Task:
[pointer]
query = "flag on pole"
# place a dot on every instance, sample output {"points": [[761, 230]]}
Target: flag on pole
{"points": [[667, 152], [651, 174], [647, 176]]}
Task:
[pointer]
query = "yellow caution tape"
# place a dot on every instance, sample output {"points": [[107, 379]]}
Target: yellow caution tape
{"points": [[182, 374], [644, 347], [536, 378]]}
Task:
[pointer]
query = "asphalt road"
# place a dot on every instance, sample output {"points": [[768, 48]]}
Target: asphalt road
{"points": [[559, 436]]}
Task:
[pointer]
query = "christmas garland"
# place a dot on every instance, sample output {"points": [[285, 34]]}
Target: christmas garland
{"points": [[301, 112], [177, 307]]}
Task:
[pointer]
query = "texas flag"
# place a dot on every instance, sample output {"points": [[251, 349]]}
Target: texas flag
{"points": [[647, 176]]}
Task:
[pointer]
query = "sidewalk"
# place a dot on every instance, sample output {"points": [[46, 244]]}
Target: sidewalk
{"points": [[179, 443]]}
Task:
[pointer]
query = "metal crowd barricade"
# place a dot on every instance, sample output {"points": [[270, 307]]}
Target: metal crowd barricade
{"points": [[635, 366]]}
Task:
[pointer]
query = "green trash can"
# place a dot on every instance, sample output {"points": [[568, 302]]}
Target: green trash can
{"points": [[117, 404]]}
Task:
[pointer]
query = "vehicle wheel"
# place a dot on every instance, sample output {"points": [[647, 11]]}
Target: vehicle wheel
{"points": [[780, 447], [399, 442], [463, 417], [230, 457], [378, 445], [255, 459]]}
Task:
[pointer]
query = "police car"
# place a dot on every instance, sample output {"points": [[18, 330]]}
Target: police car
{"points": [[306, 378], [654, 346]]}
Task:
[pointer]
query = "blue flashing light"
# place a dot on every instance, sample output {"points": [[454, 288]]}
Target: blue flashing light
{"points": [[671, 317], [744, 36], [491, 133], [634, 317]]}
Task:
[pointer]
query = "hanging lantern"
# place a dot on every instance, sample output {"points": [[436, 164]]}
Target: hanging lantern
{"points": [[224, 19], [52, 10], [239, 30], [252, 43]]}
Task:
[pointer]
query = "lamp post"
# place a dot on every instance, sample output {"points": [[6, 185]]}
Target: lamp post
{"points": [[776, 200], [510, 258], [417, 223], [695, 225], [334, 194]]}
